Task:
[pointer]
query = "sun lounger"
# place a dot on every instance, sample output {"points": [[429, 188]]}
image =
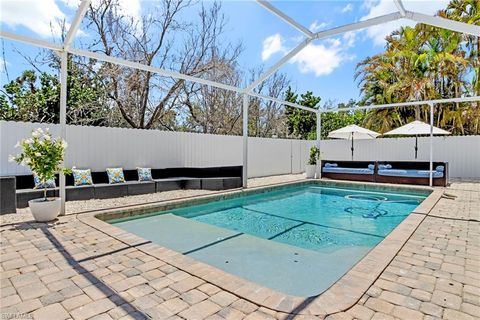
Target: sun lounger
{"points": [[349, 170]]}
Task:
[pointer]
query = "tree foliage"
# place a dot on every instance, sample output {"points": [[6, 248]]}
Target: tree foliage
{"points": [[267, 118], [35, 97], [301, 123], [425, 63], [335, 120], [31, 98], [161, 39]]}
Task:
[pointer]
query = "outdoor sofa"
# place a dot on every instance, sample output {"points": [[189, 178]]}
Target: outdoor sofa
{"points": [[397, 172], [216, 178]]}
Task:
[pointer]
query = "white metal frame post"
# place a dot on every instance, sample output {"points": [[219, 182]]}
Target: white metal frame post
{"points": [[400, 7], [82, 10], [319, 128], [430, 182], [245, 141], [318, 141], [63, 118]]}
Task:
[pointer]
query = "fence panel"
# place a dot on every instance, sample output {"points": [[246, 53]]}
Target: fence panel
{"points": [[268, 157], [98, 148]]}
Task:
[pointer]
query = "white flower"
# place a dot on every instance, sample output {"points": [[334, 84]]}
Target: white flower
{"points": [[37, 133], [47, 130], [38, 154], [11, 158], [17, 144], [47, 137], [28, 141], [64, 144]]}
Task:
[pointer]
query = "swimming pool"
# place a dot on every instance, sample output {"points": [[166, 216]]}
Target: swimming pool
{"points": [[297, 240]]}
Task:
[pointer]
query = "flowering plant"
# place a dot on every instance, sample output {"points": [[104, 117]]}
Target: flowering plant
{"points": [[314, 156], [43, 155]]}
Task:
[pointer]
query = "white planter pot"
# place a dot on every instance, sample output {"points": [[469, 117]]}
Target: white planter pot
{"points": [[43, 211], [310, 171]]}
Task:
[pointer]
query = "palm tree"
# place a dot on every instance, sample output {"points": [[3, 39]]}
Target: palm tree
{"points": [[467, 11], [424, 63]]}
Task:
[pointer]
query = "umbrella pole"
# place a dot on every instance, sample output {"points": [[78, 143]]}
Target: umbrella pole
{"points": [[416, 146], [431, 146], [352, 147]]}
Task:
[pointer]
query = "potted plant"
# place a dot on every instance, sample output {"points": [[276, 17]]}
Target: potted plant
{"points": [[44, 156], [311, 166]]}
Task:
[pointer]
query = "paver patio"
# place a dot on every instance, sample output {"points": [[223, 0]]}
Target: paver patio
{"points": [[68, 269]]}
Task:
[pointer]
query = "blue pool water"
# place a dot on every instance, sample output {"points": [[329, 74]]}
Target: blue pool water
{"points": [[296, 240]]}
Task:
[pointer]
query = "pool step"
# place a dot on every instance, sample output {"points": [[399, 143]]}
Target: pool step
{"points": [[177, 233]]}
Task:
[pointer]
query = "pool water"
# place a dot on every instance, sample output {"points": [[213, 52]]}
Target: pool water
{"points": [[297, 240]]}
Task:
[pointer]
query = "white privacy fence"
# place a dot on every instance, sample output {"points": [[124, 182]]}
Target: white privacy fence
{"points": [[99, 147]]}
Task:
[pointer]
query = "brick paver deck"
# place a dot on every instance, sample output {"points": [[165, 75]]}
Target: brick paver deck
{"points": [[70, 270]]}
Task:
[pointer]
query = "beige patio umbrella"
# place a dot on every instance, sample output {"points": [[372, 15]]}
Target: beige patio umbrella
{"points": [[353, 132], [416, 128]]}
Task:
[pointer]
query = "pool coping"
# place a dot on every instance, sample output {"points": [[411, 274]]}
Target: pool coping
{"points": [[342, 295]]}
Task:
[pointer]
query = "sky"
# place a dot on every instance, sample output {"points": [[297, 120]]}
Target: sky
{"points": [[326, 67]]}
